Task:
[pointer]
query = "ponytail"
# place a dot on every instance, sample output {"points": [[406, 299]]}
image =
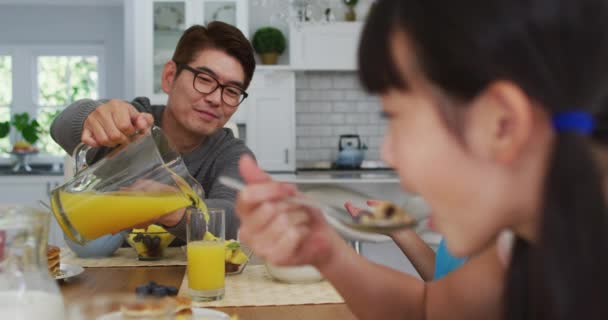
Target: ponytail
{"points": [[564, 275]]}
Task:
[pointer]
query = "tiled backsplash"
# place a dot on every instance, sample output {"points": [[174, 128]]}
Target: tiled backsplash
{"points": [[329, 104]]}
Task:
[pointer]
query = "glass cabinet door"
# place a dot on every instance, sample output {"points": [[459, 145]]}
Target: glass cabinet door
{"points": [[169, 23], [224, 11], [233, 12]]}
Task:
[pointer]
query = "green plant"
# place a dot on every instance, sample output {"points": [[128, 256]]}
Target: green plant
{"points": [[30, 130], [269, 39], [351, 3], [5, 128]]}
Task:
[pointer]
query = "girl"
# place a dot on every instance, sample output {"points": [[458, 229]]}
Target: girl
{"points": [[490, 109]]}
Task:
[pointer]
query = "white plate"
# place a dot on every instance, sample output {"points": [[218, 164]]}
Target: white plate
{"points": [[68, 271], [207, 314]]}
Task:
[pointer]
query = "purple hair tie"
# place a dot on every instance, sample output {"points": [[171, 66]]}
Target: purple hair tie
{"points": [[574, 121]]}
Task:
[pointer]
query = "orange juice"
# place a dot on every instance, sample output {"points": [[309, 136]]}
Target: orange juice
{"points": [[206, 265], [96, 214]]}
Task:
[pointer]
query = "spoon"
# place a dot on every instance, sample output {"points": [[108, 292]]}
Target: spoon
{"points": [[375, 225]]}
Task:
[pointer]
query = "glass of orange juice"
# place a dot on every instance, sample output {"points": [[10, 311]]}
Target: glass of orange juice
{"points": [[206, 254]]}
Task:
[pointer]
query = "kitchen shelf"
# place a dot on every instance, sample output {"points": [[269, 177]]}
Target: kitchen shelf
{"points": [[276, 67]]}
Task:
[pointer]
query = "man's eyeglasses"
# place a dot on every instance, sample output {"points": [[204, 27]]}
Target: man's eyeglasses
{"points": [[207, 84]]}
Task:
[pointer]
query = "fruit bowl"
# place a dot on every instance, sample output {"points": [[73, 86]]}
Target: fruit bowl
{"points": [[237, 256], [294, 274], [149, 243]]}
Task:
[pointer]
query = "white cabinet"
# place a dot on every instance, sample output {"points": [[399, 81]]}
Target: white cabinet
{"points": [[270, 118], [152, 29], [28, 190], [331, 46]]}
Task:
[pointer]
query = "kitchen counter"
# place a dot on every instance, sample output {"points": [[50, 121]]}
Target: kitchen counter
{"points": [[338, 176], [325, 172], [37, 170]]}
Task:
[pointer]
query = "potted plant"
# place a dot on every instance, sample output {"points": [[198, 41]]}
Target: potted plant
{"points": [[350, 14], [29, 132], [269, 43]]}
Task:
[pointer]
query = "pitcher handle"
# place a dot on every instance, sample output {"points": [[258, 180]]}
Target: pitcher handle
{"points": [[80, 157]]}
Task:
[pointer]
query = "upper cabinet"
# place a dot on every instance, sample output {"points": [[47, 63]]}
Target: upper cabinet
{"points": [[270, 113], [153, 28], [330, 46]]}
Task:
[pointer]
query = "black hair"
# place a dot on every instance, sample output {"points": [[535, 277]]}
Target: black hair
{"points": [[216, 35], [556, 51]]}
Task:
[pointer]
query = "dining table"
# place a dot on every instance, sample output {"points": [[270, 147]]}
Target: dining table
{"points": [[109, 280]]}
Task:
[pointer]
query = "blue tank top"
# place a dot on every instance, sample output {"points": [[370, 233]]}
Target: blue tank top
{"points": [[445, 262]]}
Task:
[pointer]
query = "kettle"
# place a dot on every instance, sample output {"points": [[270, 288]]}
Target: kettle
{"points": [[350, 156]]}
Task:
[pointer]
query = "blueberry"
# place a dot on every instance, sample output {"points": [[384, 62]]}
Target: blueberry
{"points": [[142, 290], [172, 290], [153, 284], [147, 241], [156, 242], [160, 291]]}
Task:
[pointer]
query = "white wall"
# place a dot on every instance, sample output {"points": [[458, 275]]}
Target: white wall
{"points": [[329, 104], [70, 25]]}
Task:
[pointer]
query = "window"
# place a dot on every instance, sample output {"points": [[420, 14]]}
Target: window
{"points": [[6, 94], [42, 81], [61, 81]]}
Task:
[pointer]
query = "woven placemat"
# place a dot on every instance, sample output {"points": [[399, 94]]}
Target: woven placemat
{"points": [[255, 287], [125, 257]]}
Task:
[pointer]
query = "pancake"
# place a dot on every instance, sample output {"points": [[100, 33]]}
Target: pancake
{"points": [[54, 266], [143, 310], [183, 304], [53, 259], [52, 251]]}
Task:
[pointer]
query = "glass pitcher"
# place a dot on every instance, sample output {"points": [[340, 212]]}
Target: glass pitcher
{"points": [[27, 290], [134, 183]]}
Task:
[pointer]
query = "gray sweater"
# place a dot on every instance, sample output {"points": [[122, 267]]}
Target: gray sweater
{"points": [[217, 156]]}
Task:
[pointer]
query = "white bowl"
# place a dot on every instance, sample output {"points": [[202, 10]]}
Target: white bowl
{"points": [[295, 274]]}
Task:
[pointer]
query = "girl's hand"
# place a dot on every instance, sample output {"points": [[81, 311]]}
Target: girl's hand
{"points": [[280, 232]]}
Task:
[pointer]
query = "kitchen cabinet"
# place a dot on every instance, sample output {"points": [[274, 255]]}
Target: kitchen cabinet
{"points": [[152, 29], [330, 46], [270, 119], [28, 190]]}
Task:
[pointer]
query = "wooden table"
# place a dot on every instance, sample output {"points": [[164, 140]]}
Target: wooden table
{"points": [[124, 280]]}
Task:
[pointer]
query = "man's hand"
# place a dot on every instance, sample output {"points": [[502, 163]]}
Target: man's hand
{"points": [[113, 123]]}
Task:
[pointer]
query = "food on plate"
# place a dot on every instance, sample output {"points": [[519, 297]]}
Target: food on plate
{"points": [[143, 310], [234, 256], [150, 243], [183, 306], [386, 212], [53, 259]]}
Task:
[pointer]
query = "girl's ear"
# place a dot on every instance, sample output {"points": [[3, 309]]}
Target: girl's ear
{"points": [[499, 122], [168, 76]]}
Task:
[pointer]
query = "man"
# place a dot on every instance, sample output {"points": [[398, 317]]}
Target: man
{"points": [[205, 81]]}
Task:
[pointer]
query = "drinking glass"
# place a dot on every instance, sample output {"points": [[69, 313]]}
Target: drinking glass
{"points": [[205, 252]]}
